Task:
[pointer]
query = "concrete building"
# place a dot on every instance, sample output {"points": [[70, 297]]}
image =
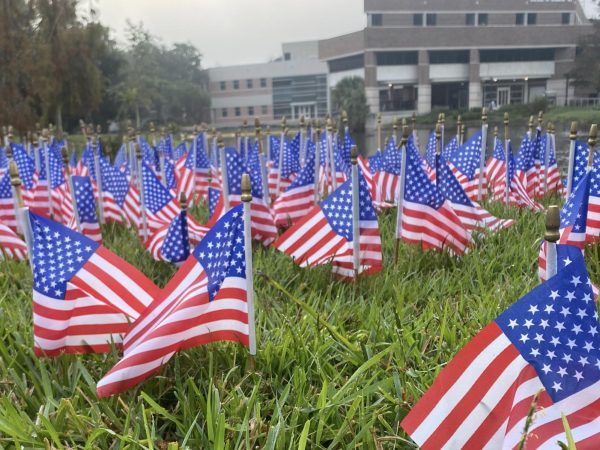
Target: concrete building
{"points": [[415, 55], [294, 85]]}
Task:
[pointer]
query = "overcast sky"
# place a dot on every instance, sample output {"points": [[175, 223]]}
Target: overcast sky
{"points": [[234, 31]]}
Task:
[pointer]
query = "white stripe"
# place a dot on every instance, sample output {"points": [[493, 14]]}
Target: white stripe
{"points": [[78, 340], [309, 225], [579, 434], [89, 319]]}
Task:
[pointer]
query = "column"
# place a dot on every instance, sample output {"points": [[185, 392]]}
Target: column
{"points": [[371, 85], [475, 89], [424, 84]]}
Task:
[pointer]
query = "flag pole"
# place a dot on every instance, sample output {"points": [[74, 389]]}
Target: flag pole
{"points": [[442, 120], [355, 212], [98, 170], [330, 155], [549, 130], [280, 163], [247, 200], [459, 125], [184, 207], [68, 176], [224, 180], [530, 128], [552, 236], [140, 180], [413, 120], [484, 139], [572, 143], [378, 132], [45, 149], [401, 187], [317, 159], [592, 145], [22, 212], [395, 131], [439, 133], [302, 140], [263, 161], [507, 159]]}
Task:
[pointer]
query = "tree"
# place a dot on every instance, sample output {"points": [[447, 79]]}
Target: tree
{"points": [[586, 73], [349, 95]]}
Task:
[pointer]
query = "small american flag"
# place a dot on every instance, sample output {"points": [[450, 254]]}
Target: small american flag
{"points": [[465, 163], [579, 171], [206, 301], [548, 341], [554, 182], [525, 169], [171, 243], [7, 203], [215, 205], [450, 148], [325, 234], [427, 216], [84, 296], [185, 174], [387, 179], [430, 154], [86, 208], [11, 246]]}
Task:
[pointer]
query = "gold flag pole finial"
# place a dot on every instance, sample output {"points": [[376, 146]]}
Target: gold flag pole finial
{"points": [[354, 155], [438, 137], [552, 233], [413, 120], [246, 188], [540, 119], [531, 125], [506, 126], [484, 115], [15, 181], [183, 201], [573, 131], [405, 134]]}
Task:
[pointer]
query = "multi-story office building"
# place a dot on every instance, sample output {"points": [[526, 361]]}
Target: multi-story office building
{"points": [[294, 85], [415, 55]]}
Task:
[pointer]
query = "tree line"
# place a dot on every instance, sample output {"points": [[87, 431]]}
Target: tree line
{"points": [[59, 64]]}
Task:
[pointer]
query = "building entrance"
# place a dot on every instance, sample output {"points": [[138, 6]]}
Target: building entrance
{"points": [[450, 95]]}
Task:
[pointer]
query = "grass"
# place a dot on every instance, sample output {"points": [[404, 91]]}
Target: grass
{"points": [[342, 377]]}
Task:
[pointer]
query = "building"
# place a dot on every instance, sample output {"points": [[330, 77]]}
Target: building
{"points": [[416, 55], [295, 85]]}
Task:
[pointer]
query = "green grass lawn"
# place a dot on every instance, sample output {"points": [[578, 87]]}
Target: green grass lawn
{"points": [[342, 377]]}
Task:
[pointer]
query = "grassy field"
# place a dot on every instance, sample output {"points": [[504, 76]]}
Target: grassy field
{"points": [[339, 372]]}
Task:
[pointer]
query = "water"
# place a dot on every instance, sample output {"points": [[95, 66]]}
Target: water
{"points": [[367, 143]]}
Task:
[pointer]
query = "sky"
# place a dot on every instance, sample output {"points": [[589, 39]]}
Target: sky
{"points": [[234, 31]]}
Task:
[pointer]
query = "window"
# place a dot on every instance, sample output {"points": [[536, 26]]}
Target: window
{"points": [[347, 63], [418, 20], [397, 58], [250, 110], [431, 19], [238, 111], [236, 84], [522, 54], [470, 20], [449, 57], [482, 19], [224, 112], [520, 19], [287, 56], [376, 20], [264, 110], [223, 85], [263, 82], [566, 18], [531, 19], [249, 84]]}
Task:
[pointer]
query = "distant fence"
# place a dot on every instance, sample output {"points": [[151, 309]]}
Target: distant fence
{"points": [[585, 101]]}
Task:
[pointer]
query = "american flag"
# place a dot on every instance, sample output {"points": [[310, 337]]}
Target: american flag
{"points": [[11, 246], [206, 301], [472, 215], [41, 190], [450, 148], [290, 165], [58, 184], [430, 153], [554, 182], [573, 216], [171, 243], [579, 171], [185, 173], [340, 167], [299, 198], [3, 160], [376, 161], [325, 234], [8, 215], [121, 157], [115, 190], [465, 164], [427, 216], [162, 208], [548, 341], [180, 151], [84, 296], [215, 205], [387, 179], [495, 165], [263, 222], [86, 209], [525, 169], [27, 172]]}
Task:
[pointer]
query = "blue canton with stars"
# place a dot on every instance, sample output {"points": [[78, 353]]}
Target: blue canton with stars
{"points": [[392, 159], [5, 186], [221, 253], [525, 160], [555, 328], [582, 152], [419, 189], [307, 174], [449, 185], [376, 162], [57, 177], [114, 181], [253, 169], [58, 254], [430, 150], [450, 148], [176, 246], [338, 207], [84, 197], [156, 196], [213, 200], [25, 164], [233, 166], [467, 157], [179, 151], [291, 157], [3, 159], [575, 210]]}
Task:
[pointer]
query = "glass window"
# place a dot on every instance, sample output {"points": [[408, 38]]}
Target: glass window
{"points": [[431, 19], [531, 19], [376, 20], [520, 20], [238, 111], [249, 84], [397, 58], [263, 82], [236, 84], [287, 56], [418, 20], [264, 110], [223, 85], [470, 19], [566, 18], [250, 110], [224, 112], [482, 19]]}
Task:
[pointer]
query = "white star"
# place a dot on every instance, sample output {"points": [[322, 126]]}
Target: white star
{"points": [[576, 281], [562, 371], [557, 387], [553, 295]]}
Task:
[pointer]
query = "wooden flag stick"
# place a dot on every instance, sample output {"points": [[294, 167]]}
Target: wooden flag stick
{"points": [[317, 160], [572, 143], [355, 213], [484, 138], [552, 235], [21, 212], [140, 179], [507, 157], [592, 145], [400, 194], [247, 200]]}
